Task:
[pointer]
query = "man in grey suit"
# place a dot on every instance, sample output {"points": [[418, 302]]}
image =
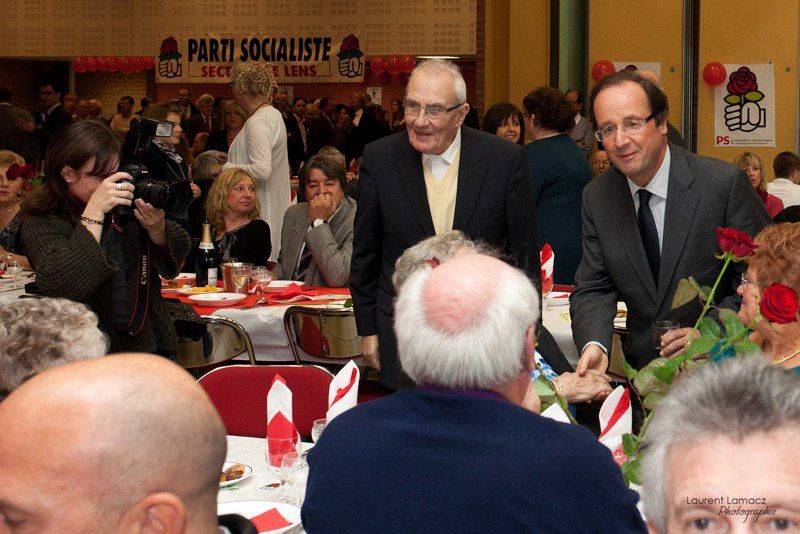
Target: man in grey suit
{"points": [[648, 222], [317, 235]]}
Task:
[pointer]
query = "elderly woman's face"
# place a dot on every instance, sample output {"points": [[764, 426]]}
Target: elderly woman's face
{"points": [[242, 197], [753, 170], [750, 291], [9, 189]]}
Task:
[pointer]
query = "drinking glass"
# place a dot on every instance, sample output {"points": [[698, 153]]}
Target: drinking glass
{"points": [[660, 328], [276, 449], [14, 268], [547, 287], [316, 429], [294, 474], [262, 277], [240, 276]]}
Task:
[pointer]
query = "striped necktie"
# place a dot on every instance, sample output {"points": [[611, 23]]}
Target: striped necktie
{"points": [[303, 264]]}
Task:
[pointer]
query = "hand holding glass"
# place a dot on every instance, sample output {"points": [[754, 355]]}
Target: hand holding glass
{"points": [[660, 328]]}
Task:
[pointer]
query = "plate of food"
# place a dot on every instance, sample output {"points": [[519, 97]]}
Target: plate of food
{"points": [[558, 298], [217, 299], [233, 473], [200, 290], [268, 516], [279, 286]]}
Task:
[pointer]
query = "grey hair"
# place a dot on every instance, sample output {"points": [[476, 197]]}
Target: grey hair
{"points": [[734, 399], [442, 247], [255, 78], [201, 168], [484, 355], [433, 67], [37, 334], [204, 98]]}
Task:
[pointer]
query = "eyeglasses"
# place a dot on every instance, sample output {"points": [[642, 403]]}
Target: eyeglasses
{"points": [[433, 111], [747, 280], [601, 162], [630, 127]]}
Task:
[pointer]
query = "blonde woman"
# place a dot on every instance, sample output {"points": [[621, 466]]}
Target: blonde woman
{"points": [[232, 208], [751, 165], [11, 185], [260, 148], [233, 119]]}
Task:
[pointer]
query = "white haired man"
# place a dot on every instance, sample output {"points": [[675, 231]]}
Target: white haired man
{"points": [[126, 443], [205, 121], [434, 177], [464, 452], [721, 452]]}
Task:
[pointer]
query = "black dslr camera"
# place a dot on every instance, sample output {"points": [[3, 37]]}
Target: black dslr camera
{"points": [[172, 194]]}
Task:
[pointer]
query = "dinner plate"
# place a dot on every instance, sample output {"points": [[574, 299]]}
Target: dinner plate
{"points": [[279, 286], [250, 509], [217, 299], [248, 472], [558, 298], [193, 291]]}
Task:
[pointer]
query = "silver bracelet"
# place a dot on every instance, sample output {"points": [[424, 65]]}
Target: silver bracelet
{"points": [[91, 221]]}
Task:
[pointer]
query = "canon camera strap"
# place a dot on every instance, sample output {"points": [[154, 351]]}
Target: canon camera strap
{"points": [[126, 320]]}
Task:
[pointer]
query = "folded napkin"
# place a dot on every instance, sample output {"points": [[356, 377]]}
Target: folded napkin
{"points": [[291, 291], [615, 418], [547, 259], [269, 520], [279, 417], [555, 413], [343, 391]]}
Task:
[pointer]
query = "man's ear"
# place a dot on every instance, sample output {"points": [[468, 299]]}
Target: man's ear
{"points": [[158, 513], [530, 348]]}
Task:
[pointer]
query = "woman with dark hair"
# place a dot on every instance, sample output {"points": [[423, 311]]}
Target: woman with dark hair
{"points": [[397, 116], [83, 250], [505, 120], [559, 171], [345, 139]]}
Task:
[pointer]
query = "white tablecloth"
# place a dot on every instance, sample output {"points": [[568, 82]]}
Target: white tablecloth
{"points": [[8, 295], [561, 329]]}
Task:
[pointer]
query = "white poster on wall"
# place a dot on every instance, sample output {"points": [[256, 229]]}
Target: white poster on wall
{"points": [[375, 94], [744, 107], [638, 65]]}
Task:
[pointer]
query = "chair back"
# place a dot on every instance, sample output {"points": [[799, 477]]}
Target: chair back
{"points": [[217, 340], [239, 392], [322, 332]]}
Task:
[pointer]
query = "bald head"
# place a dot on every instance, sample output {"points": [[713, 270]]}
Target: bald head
{"points": [[121, 433]]}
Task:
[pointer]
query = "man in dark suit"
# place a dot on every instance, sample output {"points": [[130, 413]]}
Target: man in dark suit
{"points": [[205, 121], [648, 222], [294, 137], [49, 119], [12, 137], [320, 130], [466, 450], [435, 177], [184, 103]]}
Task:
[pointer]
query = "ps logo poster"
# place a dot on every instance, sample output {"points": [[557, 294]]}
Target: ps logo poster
{"points": [[744, 106]]}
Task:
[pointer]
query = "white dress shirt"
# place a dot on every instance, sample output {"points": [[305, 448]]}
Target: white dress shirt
{"points": [[658, 202], [786, 190], [438, 164]]}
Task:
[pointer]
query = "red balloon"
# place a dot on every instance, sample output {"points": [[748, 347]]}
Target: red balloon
{"points": [[714, 73], [407, 64], [150, 62], [378, 65], [90, 63], [79, 64], [104, 64], [113, 63], [125, 65], [601, 69], [139, 63], [393, 65]]}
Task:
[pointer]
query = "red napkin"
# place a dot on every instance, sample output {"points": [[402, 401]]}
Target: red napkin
{"points": [[291, 291], [269, 520], [279, 420]]}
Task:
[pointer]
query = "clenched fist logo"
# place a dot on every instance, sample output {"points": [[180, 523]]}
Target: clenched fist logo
{"points": [[743, 113]]}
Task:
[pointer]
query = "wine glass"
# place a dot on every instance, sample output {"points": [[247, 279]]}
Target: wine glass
{"points": [[294, 473], [14, 268], [276, 449], [547, 287], [240, 276], [316, 429], [262, 277]]}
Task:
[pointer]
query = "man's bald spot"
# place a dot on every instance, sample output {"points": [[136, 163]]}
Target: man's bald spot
{"points": [[650, 75], [456, 292], [128, 425]]}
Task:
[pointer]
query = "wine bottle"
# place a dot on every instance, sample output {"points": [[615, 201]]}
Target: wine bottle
{"points": [[206, 266]]}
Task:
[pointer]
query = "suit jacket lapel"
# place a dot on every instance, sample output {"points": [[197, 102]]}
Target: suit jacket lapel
{"points": [[471, 173], [681, 208], [410, 167], [628, 228]]}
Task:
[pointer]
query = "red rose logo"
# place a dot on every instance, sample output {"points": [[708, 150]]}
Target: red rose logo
{"points": [[169, 45], [779, 304], [350, 43], [742, 82], [736, 242]]}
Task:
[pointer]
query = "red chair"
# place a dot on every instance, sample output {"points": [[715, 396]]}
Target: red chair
{"points": [[239, 392]]}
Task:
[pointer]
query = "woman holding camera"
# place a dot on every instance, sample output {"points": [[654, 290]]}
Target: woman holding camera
{"points": [[82, 250]]}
